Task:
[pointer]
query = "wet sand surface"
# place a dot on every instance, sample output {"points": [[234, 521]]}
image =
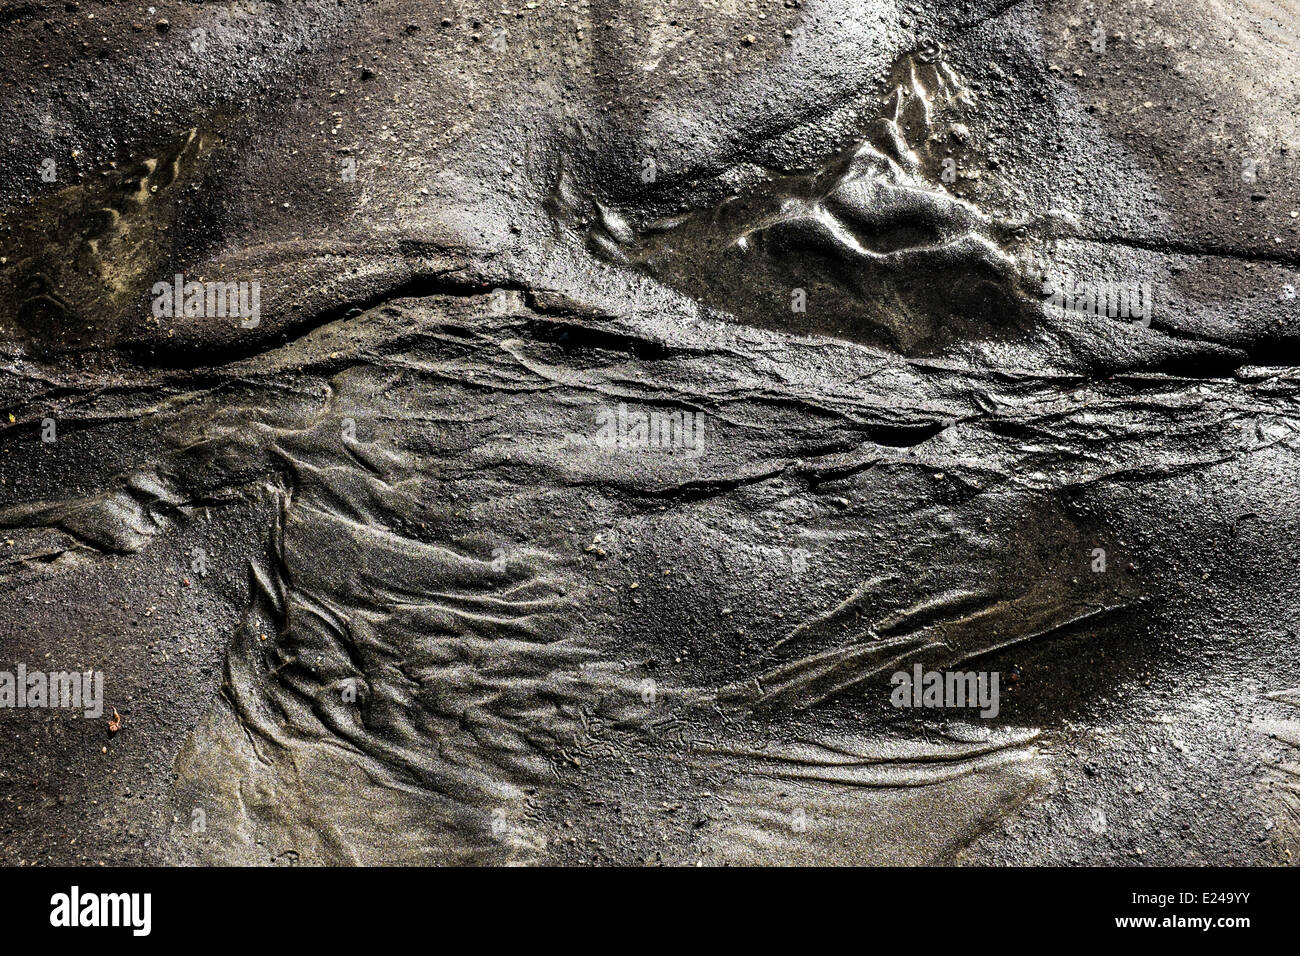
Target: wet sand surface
{"points": [[368, 584]]}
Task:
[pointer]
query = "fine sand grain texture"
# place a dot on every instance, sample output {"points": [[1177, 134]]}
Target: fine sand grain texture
{"points": [[547, 434]]}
